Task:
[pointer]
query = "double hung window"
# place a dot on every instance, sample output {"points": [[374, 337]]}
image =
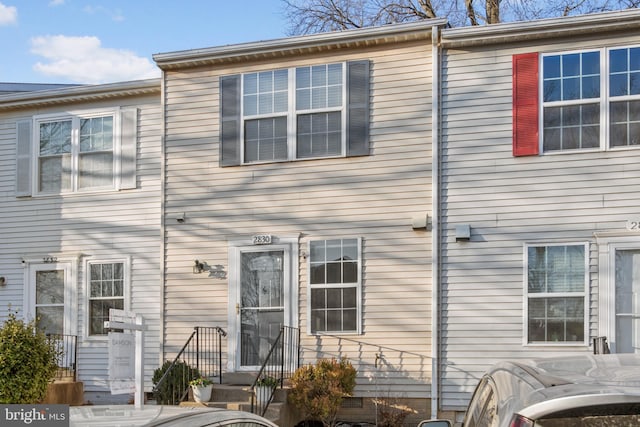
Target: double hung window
{"points": [[588, 100], [297, 113], [334, 286], [106, 290], [76, 152], [556, 293]]}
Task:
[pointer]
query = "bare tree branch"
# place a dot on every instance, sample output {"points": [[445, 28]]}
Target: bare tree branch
{"points": [[471, 13], [313, 16]]}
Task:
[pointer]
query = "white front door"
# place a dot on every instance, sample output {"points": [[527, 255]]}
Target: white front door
{"points": [[626, 302], [261, 301], [50, 297]]}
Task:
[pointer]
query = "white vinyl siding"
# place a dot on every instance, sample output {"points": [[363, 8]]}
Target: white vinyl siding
{"points": [[507, 202], [373, 197]]}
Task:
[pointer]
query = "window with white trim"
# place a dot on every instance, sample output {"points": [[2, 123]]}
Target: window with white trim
{"points": [[297, 113], [556, 293], [334, 286], [76, 152], [589, 100], [106, 283]]}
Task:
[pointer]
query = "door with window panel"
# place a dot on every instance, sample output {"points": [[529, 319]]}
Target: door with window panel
{"points": [[51, 297], [627, 301]]}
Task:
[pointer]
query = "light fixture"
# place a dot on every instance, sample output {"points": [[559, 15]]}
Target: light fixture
{"points": [[198, 267], [180, 217], [3, 281]]}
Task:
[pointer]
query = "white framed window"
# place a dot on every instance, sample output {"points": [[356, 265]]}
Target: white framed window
{"points": [[107, 286], [590, 99], [93, 150], [297, 113], [556, 293], [334, 301]]}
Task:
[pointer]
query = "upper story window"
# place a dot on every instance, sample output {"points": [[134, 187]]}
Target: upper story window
{"points": [[589, 100], [556, 284], [334, 286], [298, 113], [571, 101], [76, 152]]}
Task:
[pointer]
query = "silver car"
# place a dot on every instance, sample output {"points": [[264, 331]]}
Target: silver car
{"points": [[166, 416], [578, 391]]}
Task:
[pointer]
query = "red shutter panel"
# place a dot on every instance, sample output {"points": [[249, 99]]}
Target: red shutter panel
{"points": [[525, 105]]}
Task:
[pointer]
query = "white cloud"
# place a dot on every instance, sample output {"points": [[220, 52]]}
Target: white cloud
{"points": [[84, 60], [115, 15], [8, 14], [54, 3]]}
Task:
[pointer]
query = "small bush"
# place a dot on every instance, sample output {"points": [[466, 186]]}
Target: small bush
{"points": [[28, 362], [317, 390], [175, 385]]}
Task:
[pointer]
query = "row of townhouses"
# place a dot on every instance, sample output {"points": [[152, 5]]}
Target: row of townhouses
{"points": [[420, 199]]}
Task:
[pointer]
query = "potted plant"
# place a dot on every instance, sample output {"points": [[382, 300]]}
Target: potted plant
{"points": [[264, 389], [201, 388]]}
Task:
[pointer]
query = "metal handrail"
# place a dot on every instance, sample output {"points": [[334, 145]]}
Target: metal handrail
{"points": [[281, 362], [200, 356], [67, 354]]}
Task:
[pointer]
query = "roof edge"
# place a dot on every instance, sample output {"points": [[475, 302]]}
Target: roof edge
{"points": [[294, 45], [541, 28], [80, 93]]}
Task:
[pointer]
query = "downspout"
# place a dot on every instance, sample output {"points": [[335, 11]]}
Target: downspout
{"points": [[435, 219], [163, 255]]}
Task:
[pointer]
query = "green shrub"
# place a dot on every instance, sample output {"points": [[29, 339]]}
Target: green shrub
{"points": [[317, 390], [28, 362], [175, 385]]}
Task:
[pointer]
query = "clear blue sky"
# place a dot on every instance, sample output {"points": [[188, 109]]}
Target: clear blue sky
{"points": [[102, 41]]}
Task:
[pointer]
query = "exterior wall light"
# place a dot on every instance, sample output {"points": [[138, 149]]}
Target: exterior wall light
{"points": [[198, 267]]}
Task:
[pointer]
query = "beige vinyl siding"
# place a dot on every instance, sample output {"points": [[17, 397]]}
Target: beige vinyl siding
{"points": [[96, 225], [373, 197], [509, 201]]}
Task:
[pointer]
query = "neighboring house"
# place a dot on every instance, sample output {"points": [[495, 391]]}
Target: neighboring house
{"points": [[80, 208], [299, 173], [540, 137]]}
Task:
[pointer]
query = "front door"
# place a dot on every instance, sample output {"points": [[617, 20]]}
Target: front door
{"points": [[627, 300], [262, 301], [50, 297]]}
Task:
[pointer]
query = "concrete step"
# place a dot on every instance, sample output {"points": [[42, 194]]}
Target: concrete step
{"points": [[238, 397]]}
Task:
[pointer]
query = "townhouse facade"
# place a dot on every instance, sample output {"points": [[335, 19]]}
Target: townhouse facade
{"points": [[298, 172], [539, 167], [80, 191]]}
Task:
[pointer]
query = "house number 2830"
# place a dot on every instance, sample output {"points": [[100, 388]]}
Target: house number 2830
{"points": [[262, 239]]}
